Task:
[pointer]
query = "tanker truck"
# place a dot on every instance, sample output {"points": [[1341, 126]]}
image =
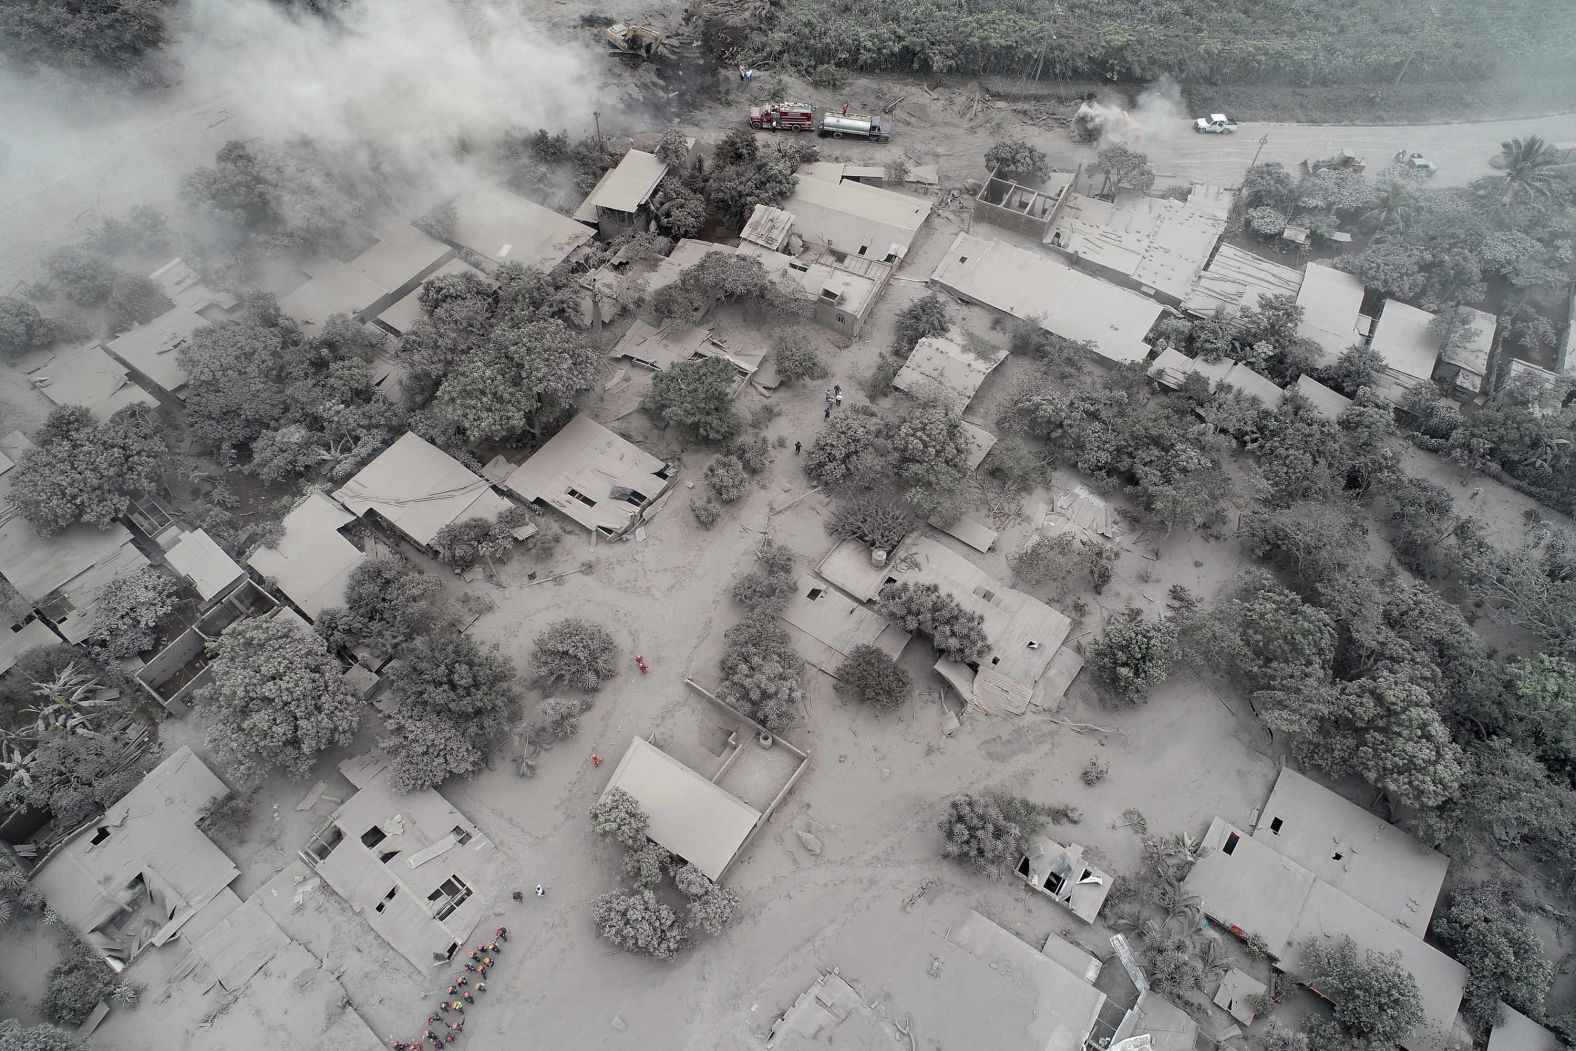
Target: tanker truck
{"points": [[853, 126]]}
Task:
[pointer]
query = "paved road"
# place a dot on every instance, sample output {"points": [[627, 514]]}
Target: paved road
{"points": [[1461, 150]]}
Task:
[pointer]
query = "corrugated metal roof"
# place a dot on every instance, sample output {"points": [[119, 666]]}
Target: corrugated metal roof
{"points": [[200, 560], [152, 349], [312, 561], [945, 366], [630, 184], [1331, 302], [89, 377], [419, 489], [578, 469]]}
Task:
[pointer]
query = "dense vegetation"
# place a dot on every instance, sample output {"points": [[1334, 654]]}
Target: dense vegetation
{"points": [[1277, 40]]}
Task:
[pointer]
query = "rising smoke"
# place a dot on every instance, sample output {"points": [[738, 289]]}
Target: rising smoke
{"points": [[1156, 118]]}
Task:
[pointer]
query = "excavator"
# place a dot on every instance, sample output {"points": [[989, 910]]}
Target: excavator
{"points": [[632, 41]]}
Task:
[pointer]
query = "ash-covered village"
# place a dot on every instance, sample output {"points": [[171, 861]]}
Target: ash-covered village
{"points": [[787, 524]]}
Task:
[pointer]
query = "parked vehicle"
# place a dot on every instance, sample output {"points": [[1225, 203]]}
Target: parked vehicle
{"points": [[1417, 164], [853, 126], [1215, 124], [783, 116]]}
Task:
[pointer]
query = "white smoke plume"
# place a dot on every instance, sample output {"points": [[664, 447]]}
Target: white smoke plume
{"points": [[1157, 117]]}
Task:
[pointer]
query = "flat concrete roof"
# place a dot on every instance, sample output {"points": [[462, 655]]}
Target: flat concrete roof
{"points": [[313, 561], [690, 816], [1331, 302], [1038, 286], [579, 469], [629, 184], [943, 366], [1353, 850], [856, 219], [152, 349], [418, 488], [1156, 242], [1235, 280], [502, 227], [89, 377]]}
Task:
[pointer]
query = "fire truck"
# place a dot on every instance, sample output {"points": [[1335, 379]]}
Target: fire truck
{"points": [[853, 126], [783, 116]]}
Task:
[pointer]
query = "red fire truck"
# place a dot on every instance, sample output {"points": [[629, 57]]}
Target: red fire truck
{"points": [[783, 116]]}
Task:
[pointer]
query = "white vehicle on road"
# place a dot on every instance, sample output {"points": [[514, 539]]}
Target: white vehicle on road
{"points": [[1215, 124]]}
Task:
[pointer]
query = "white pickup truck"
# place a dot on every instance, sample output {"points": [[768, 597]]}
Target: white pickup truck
{"points": [[1215, 124]]}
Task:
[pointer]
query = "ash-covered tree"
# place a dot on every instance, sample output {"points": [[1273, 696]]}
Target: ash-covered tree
{"points": [[78, 982], [726, 479], [388, 601], [1487, 927], [673, 148], [1355, 369], [1122, 168], [639, 923], [448, 701], [1388, 265], [1313, 540], [14, 1036], [1265, 636], [1269, 183], [1135, 655], [875, 678], [746, 173], [1018, 161], [82, 277], [559, 717], [100, 36], [576, 653], [131, 609], [853, 445], [618, 816], [956, 633], [279, 196], [989, 831], [770, 583], [1543, 707], [762, 674], [232, 394], [931, 446], [81, 471], [924, 317], [646, 864], [135, 300], [697, 398], [722, 277], [23, 328], [1532, 587], [461, 545], [75, 775], [796, 357], [1376, 1000], [712, 911], [277, 698], [1046, 558], [523, 380]]}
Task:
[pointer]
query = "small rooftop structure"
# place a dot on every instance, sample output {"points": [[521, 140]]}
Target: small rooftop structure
{"points": [[418, 489], [89, 377], [61, 574], [1062, 300], [827, 625], [1155, 244], [412, 866], [768, 227], [1235, 280], [940, 365], [855, 219], [1065, 876], [1516, 1032], [502, 227], [626, 187], [1470, 352], [152, 349], [1326, 402], [594, 476], [204, 564], [1358, 853], [135, 876], [400, 316], [1402, 339], [1331, 302], [184, 287], [690, 816], [313, 560]]}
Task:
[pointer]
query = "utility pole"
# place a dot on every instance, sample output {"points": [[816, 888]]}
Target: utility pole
{"points": [[1263, 142], [596, 115]]}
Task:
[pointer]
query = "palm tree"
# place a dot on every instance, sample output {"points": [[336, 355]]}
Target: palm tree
{"points": [[1395, 206], [1530, 168]]}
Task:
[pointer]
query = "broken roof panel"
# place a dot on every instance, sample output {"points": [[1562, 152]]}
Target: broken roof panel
{"points": [[939, 365], [502, 227], [1353, 850], [89, 377], [768, 227], [152, 349], [1155, 242], [1236, 280], [1331, 302], [312, 561], [1247, 886], [419, 489], [689, 815], [630, 184], [1039, 287], [592, 475]]}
